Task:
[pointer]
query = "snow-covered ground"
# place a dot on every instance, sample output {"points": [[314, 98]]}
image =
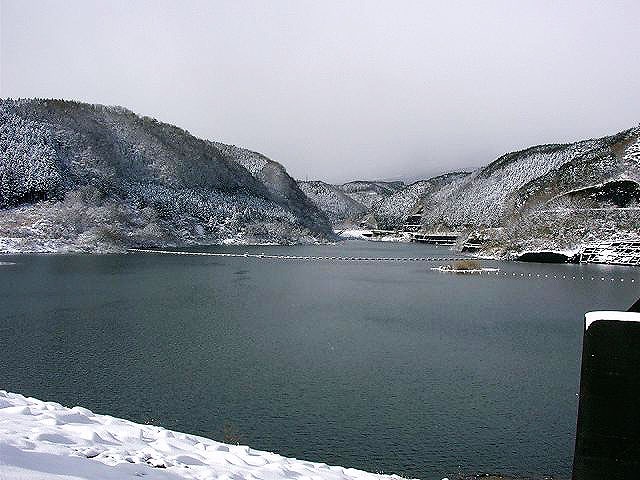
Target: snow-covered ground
{"points": [[46, 441], [356, 234]]}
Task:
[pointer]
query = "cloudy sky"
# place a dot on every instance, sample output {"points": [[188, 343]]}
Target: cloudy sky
{"points": [[338, 90]]}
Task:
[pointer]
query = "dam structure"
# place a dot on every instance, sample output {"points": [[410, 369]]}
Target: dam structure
{"points": [[624, 252]]}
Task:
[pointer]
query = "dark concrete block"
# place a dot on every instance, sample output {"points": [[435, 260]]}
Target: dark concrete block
{"points": [[608, 431]]}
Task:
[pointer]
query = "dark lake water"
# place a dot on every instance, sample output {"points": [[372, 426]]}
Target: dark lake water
{"points": [[381, 366]]}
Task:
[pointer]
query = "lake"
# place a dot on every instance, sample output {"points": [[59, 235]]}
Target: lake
{"points": [[387, 367]]}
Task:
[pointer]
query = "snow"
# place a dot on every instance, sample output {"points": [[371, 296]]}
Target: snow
{"points": [[369, 193], [398, 238], [336, 204], [547, 172], [449, 269], [28, 165], [591, 317], [46, 441], [252, 161], [355, 234], [394, 209], [79, 177]]}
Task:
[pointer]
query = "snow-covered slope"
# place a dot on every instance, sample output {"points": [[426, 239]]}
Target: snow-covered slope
{"points": [[346, 204], [547, 196], [520, 182], [46, 441], [280, 185], [338, 206], [544, 197], [392, 211], [370, 192], [75, 176]]}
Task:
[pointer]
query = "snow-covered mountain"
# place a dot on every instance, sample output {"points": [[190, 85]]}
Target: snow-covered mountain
{"points": [[521, 180], [340, 207], [280, 185], [556, 196], [391, 212], [370, 192], [347, 204], [75, 176]]}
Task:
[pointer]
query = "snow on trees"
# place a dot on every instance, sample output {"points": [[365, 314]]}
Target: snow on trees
{"points": [[28, 165]]}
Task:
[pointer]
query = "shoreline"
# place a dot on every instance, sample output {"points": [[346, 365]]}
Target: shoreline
{"points": [[42, 439]]}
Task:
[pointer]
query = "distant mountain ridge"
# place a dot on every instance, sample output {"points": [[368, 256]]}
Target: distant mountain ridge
{"points": [[345, 204], [370, 192], [550, 196], [75, 176], [555, 196], [391, 212], [80, 177]]}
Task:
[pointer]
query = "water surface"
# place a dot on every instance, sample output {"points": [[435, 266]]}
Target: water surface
{"points": [[381, 366]]}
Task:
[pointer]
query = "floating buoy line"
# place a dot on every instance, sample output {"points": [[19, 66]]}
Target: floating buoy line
{"points": [[562, 277], [303, 257], [484, 272]]}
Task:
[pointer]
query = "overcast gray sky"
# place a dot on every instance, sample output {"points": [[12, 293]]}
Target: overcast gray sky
{"points": [[339, 90]]}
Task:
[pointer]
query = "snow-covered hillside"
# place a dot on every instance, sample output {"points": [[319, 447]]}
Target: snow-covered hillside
{"points": [[370, 192], [520, 181], [46, 441], [347, 204], [75, 176], [547, 197], [392, 211], [543, 197], [284, 189], [78, 177], [338, 206]]}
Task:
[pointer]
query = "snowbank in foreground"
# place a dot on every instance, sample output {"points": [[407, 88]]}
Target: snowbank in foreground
{"points": [[46, 441]]}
